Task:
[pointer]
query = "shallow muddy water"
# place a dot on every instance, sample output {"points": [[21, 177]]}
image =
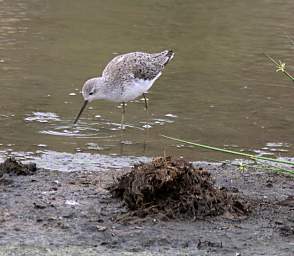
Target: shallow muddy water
{"points": [[218, 90]]}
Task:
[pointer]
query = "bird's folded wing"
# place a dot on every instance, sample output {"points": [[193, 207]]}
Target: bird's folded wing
{"points": [[136, 65]]}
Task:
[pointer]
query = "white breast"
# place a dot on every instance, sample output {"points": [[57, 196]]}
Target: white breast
{"points": [[136, 88]]}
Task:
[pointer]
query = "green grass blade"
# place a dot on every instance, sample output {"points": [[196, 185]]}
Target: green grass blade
{"points": [[279, 67], [232, 152]]}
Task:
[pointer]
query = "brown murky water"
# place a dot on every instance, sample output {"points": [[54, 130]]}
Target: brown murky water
{"points": [[218, 90]]}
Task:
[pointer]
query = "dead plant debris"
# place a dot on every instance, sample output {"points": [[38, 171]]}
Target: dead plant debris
{"points": [[176, 189], [13, 167]]}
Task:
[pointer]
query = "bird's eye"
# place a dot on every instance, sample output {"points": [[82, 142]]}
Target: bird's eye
{"points": [[91, 93]]}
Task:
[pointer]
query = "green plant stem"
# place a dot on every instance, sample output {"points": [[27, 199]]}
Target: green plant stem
{"points": [[232, 152], [278, 65], [274, 168], [263, 166]]}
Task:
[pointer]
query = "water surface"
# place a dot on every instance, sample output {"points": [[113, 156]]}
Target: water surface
{"points": [[218, 90]]}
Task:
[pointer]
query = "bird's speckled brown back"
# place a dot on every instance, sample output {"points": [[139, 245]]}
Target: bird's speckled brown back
{"points": [[139, 65]]}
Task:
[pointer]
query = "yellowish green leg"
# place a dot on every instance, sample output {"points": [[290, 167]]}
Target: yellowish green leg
{"points": [[146, 131], [146, 102], [123, 111]]}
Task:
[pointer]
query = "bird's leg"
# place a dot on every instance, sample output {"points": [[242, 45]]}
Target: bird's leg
{"points": [[146, 103], [146, 131], [123, 111], [146, 106]]}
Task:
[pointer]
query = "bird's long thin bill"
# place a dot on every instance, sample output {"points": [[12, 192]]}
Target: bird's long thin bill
{"points": [[81, 111]]}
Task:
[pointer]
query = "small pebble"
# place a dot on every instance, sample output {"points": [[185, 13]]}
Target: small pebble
{"points": [[71, 202], [101, 228]]}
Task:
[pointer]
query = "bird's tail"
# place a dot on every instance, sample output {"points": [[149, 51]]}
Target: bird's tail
{"points": [[169, 54]]}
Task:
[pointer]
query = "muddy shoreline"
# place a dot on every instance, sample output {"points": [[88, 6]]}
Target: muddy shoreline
{"points": [[59, 213]]}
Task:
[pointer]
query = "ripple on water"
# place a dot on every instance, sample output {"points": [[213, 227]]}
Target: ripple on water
{"points": [[277, 145], [171, 115], [78, 131], [67, 162], [12, 20], [61, 161], [42, 117], [271, 147], [102, 129], [3, 117], [94, 146], [65, 129], [263, 152]]}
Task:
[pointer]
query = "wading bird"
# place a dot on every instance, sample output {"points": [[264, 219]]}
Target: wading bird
{"points": [[125, 78]]}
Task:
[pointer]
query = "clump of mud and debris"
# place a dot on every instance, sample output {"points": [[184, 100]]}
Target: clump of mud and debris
{"points": [[175, 189], [71, 213], [13, 167]]}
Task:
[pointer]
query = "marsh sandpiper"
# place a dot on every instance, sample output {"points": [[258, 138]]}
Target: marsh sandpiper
{"points": [[125, 78]]}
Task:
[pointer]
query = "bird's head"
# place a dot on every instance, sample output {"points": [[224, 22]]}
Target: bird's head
{"points": [[90, 91], [91, 88]]}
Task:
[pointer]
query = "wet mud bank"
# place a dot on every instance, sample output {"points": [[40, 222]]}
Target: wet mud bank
{"points": [[57, 213]]}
